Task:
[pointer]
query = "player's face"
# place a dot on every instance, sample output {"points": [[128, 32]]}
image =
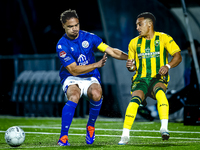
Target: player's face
{"points": [[72, 28], [143, 26]]}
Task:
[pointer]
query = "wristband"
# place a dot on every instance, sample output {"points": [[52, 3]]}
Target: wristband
{"points": [[168, 66]]}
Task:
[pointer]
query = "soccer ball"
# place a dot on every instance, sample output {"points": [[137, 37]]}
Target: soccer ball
{"points": [[14, 136]]}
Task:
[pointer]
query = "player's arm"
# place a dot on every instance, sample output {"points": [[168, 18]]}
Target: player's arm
{"points": [[75, 69], [176, 60], [115, 53], [174, 51]]}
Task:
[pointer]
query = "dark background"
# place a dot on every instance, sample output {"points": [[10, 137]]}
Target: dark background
{"points": [[43, 17]]}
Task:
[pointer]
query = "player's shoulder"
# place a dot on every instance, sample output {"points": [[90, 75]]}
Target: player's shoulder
{"points": [[134, 40], [86, 33], [90, 37], [62, 43], [160, 33], [163, 35], [62, 39]]}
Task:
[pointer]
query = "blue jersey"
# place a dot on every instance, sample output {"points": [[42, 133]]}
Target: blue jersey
{"points": [[80, 50]]}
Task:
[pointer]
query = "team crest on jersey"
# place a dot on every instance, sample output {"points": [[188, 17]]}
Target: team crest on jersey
{"points": [[157, 42], [62, 54], [85, 44]]}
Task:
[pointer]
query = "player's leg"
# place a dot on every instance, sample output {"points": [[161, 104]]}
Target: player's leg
{"points": [[95, 96], [73, 95], [94, 93], [131, 112], [163, 108]]}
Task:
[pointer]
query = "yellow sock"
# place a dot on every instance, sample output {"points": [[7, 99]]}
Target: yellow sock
{"points": [[131, 112], [162, 104]]}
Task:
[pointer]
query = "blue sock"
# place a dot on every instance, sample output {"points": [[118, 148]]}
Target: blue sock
{"points": [[94, 112], [67, 117]]}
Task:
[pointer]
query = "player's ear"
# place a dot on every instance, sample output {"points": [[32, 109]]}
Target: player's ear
{"points": [[63, 25], [150, 24]]}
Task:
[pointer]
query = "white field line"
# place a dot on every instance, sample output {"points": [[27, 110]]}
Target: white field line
{"points": [[108, 123], [99, 129], [149, 137]]}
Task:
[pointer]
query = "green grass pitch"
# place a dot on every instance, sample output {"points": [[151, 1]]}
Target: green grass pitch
{"points": [[43, 134]]}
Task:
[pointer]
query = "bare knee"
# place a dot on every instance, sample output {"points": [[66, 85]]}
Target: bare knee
{"points": [[96, 95], [74, 98], [95, 92], [73, 94], [159, 85], [139, 93]]}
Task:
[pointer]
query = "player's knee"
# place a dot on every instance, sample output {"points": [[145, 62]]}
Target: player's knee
{"points": [[139, 93], [74, 97], [157, 89], [159, 86], [95, 94]]}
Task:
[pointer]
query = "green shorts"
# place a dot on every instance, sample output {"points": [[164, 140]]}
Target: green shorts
{"points": [[146, 85]]}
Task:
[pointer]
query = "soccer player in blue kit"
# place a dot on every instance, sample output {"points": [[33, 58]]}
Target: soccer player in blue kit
{"points": [[79, 72]]}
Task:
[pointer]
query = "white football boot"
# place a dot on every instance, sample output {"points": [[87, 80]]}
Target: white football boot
{"points": [[164, 133], [124, 140]]}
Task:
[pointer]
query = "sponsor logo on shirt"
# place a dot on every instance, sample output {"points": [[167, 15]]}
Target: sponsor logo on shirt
{"points": [[138, 45], [62, 54], [67, 59], [147, 50], [85, 44], [82, 60], [148, 55]]}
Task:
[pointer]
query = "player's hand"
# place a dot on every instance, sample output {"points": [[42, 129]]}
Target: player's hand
{"points": [[163, 70], [130, 64], [101, 62]]}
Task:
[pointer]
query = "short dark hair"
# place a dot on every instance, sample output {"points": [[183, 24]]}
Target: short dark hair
{"points": [[147, 15], [68, 14]]}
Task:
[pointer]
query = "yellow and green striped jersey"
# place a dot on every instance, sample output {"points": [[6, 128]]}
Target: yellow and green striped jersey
{"points": [[151, 55]]}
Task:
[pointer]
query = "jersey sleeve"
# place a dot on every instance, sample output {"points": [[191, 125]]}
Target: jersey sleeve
{"points": [[171, 45], [131, 50], [97, 41], [64, 55]]}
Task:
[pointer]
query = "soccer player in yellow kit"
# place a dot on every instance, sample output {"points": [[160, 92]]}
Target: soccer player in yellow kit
{"points": [[148, 56]]}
